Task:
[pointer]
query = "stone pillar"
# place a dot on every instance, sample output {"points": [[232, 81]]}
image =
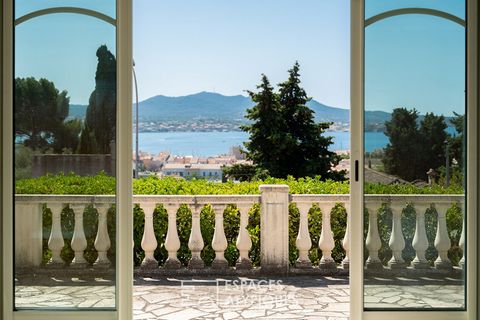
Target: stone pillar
{"points": [[274, 227], [420, 240], [219, 241], [79, 242], [149, 241], [346, 239], [442, 239], [56, 241], [244, 243], [28, 234], [373, 243], [102, 240], [326, 243], [172, 242], [303, 241], [461, 243], [397, 241], [195, 242]]}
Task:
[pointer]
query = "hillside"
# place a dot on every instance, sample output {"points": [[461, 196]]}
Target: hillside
{"points": [[221, 108]]}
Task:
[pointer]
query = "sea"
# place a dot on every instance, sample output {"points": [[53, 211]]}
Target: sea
{"points": [[213, 143]]}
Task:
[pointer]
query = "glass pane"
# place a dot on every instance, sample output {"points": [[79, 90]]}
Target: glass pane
{"points": [[64, 129], [414, 183], [374, 7]]}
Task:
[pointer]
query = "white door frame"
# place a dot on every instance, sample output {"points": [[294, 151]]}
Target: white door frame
{"points": [[124, 254], [357, 155]]}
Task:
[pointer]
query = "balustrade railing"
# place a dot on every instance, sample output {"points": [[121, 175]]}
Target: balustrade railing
{"points": [[274, 202]]}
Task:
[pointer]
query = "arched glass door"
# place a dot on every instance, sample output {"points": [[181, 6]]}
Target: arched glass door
{"points": [[416, 256], [66, 111]]}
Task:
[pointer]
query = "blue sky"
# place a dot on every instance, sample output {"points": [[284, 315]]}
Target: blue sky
{"points": [[224, 46], [183, 47], [415, 61]]}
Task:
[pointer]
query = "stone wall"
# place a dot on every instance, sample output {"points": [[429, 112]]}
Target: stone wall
{"points": [[80, 164]]}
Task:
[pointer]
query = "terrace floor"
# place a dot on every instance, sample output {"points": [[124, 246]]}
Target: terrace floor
{"points": [[300, 297]]}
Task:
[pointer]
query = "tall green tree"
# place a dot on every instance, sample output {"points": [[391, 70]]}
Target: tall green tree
{"points": [[457, 142], [269, 139], [309, 154], [401, 155], [433, 139], [284, 138], [414, 148], [40, 113], [99, 127]]}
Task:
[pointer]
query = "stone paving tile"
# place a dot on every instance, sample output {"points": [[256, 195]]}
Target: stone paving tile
{"points": [[323, 298]]}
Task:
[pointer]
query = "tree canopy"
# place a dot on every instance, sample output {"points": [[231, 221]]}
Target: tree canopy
{"points": [[414, 147], [40, 113], [284, 138]]}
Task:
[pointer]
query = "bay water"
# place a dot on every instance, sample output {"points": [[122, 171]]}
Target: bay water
{"points": [[213, 143]]}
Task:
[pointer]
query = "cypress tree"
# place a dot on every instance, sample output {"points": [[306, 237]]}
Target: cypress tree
{"points": [[100, 122]]}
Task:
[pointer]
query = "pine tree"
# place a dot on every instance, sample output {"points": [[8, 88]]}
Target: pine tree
{"points": [[309, 155], [40, 113], [402, 152], [284, 138], [413, 149], [433, 139], [100, 121], [268, 136]]}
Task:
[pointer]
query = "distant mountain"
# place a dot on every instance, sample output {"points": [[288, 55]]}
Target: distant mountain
{"points": [[203, 105], [77, 111], [208, 105], [218, 107]]}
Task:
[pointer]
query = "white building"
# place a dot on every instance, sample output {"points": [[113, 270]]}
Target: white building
{"points": [[193, 170]]}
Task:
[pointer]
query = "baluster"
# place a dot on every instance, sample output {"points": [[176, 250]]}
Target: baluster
{"points": [[461, 242], [373, 241], [244, 243], [346, 239], [195, 242], [420, 241], [149, 241], [102, 240], [56, 242], [79, 242], [326, 242], [219, 241], [397, 241], [442, 240], [172, 242], [303, 241]]}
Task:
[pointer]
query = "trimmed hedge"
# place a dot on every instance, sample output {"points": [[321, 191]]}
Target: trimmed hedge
{"points": [[102, 184]]}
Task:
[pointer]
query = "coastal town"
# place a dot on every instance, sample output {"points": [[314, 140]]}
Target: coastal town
{"points": [[188, 167]]}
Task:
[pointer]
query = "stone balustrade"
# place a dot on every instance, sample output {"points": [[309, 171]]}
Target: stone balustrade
{"points": [[274, 202]]}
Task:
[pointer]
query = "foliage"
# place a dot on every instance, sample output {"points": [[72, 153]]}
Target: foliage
{"points": [[457, 142], [103, 184], [308, 155], [244, 172], [268, 139], [99, 127], [401, 153], [433, 137], [414, 149], [67, 184], [40, 113], [284, 138], [23, 162]]}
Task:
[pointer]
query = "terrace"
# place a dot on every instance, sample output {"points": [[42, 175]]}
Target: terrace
{"points": [[266, 283]]}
